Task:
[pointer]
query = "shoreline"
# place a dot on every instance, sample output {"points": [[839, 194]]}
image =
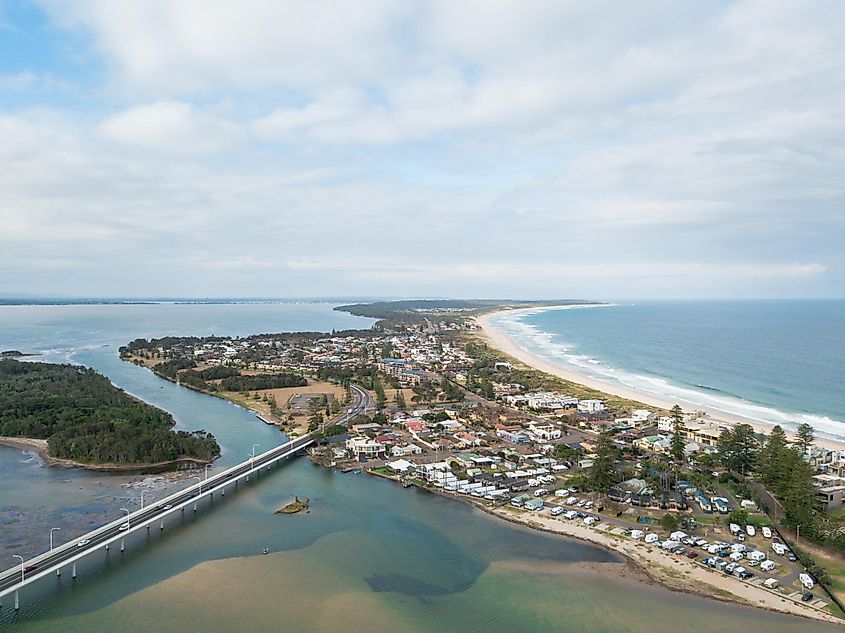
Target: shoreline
{"points": [[39, 447], [651, 565], [503, 342]]}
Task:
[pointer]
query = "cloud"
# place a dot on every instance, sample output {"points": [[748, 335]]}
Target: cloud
{"points": [[169, 126], [466, 148]]}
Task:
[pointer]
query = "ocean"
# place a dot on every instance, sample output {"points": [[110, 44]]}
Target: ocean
{"points": [[369, 556], [777, 362]]}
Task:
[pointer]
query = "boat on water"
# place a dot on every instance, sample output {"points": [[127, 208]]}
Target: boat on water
{"points": [[265, 551]]}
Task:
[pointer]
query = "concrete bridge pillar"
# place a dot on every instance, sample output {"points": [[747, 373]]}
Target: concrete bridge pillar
{"points": [[122, 544], [107, 547], [73, 571], [17, 601], [58, 571], [161, 526]]}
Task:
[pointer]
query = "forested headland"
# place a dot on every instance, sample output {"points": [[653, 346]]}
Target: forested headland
{"points": [[85, 418]]}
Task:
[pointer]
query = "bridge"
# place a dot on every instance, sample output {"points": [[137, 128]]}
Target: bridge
{"points": [[60, 558]]}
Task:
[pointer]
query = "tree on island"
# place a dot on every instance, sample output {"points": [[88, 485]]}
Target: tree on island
{"points": [[805, 435], [677, 442]]}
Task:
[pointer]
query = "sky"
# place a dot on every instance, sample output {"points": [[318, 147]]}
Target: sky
{"points": [[482, 148]]}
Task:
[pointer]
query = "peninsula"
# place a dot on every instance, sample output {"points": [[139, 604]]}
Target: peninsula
{"points": [[73, 416]]}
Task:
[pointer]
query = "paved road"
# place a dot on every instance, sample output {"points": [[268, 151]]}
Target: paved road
{"points": [[62, 555]]}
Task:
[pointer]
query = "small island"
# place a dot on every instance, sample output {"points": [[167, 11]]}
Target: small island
{"points": [[295, 506], [74, 416]]}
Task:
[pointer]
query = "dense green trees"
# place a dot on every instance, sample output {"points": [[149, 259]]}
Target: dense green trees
{"points": [[381, 399], [738, 447], [603, 471], [262, 381], [771, 462], [86, 418]]}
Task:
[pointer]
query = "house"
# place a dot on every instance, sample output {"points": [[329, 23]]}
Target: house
{"points": [[590, 407], [830, 497], [410, 377], [545, 431], [407, 449], [364, 448], [640, 416], [513, 434], [400, 466]]}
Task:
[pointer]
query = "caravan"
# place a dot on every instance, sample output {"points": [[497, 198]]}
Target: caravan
{"points": [[771, 583]]}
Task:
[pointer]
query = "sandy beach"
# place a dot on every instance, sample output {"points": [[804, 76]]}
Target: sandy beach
{"points": [[675, 572], [500, 340]]}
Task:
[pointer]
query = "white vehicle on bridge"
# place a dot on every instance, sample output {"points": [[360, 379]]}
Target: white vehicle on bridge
{"points": [[83, 542], [124, 527]]}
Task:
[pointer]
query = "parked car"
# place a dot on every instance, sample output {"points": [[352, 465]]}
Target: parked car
{"points": [[807, 596], [750, 530], [692, 554], [767, 531]]}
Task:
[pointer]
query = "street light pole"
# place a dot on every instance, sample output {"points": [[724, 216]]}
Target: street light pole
{"points": [[142, 498], [206, 470], [51, 537], [199, 479], [127, 513], [21, 557], [253, 450]]}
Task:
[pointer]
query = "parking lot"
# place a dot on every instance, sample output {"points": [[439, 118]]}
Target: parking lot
{"points": [[745, 553]]}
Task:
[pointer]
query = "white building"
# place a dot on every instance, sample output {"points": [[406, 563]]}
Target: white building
{"points": [[364, 447], [590, 406]]}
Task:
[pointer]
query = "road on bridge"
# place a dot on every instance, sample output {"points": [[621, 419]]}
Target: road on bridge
{"points": [[48, 562]]}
